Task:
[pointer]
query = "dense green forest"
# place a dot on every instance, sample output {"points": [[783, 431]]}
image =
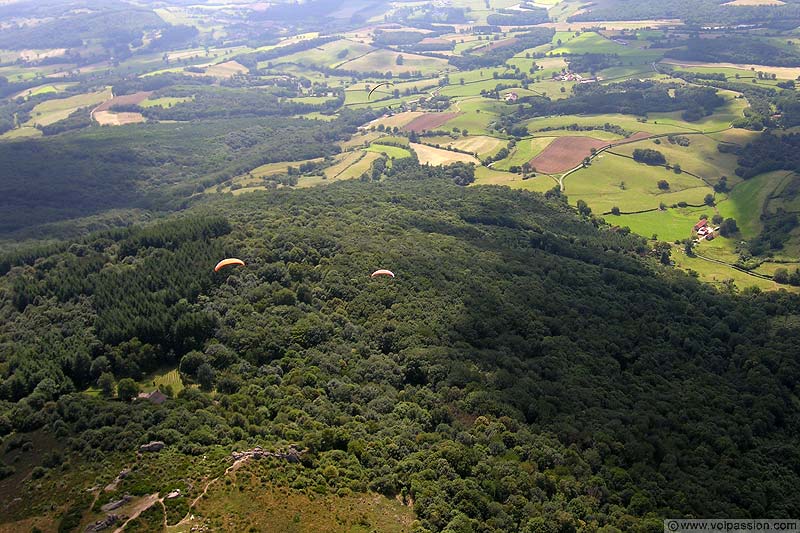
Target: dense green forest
{"points": [[155, 166], [768, 152], [629, 97], [736, 50], [530, 366], [498, 56], [527, 370], [694, 12], [116, 24]]}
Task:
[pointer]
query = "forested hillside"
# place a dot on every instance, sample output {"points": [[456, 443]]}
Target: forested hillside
{"points": [[155, 166], [527, 369]]}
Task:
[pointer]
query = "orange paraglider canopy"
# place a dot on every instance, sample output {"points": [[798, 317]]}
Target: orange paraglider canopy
{"points": [[382, 272], [228, 262]]}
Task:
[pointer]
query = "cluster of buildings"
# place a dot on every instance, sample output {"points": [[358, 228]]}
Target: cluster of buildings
{"points": [[704, 230], [571, 76]]}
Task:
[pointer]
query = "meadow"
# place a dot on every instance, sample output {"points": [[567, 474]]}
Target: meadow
{"points": [[52, 111], [614, 181]]}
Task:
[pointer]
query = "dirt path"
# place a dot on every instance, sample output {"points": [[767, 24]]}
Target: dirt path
{"points": [[141, 506], [735, 267], [236, 464]]}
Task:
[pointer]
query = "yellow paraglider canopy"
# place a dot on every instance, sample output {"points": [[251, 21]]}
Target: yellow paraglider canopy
{"points": [[382, 272], [228, 262]]}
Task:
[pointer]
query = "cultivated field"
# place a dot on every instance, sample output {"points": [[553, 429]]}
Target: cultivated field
{"points": [[428, 121], [565, 153], [128, 99], [107, 118], [399, 120], [386, 61], [436, 156], [52, 111], [523, 152], [228, 69], [479, 144]]}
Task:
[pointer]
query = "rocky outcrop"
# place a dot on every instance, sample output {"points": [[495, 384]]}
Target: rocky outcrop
{"points": [[292, 454], [110, 506], [154, 446], [105, 523]]}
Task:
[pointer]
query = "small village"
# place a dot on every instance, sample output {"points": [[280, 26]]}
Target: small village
{"points": [[566, 75]]}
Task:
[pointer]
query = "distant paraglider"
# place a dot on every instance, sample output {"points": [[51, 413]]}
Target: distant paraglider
{"points": [[382, 272], [379, 85], [228, 262]]}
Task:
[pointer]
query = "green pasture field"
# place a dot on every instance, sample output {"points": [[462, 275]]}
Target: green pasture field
{"points": [[768, 268], [44, 89], [306, 72], [721, 248], [163, 71], [11, 56], [351, 166], [483, 145], [746, 200], [781, 198], [729, 72], [734, 135], [719, 120], [392, 139], [595, 134], [254, 179], [701, 157], [716, 274], [468, 44], [315, 100], [594, 43], [474, 88], [385, 102], [394, 152], [478, 75], [343, 162], [423, 84], [668, 225], [52, 111], [360, 140], [20, 73], [22, 132], [162, 378], [476, 115], [628, 122], [524, 151], [386, 61], [316, 115], [326, 55], [549, 65], [359, 95], [541, 183], [175, 15], [271, 169], [599, 185], [552, 88], [489, 176], [166, 101], [622, 73], [247, 505]]}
